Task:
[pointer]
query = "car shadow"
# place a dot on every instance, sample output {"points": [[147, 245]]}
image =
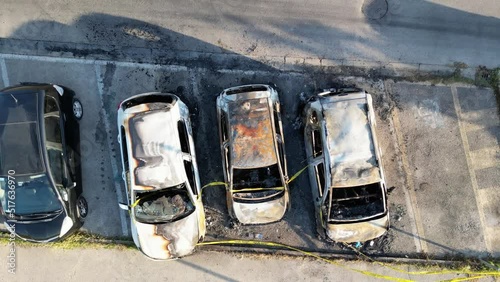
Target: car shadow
{"points": [[208, 70]]}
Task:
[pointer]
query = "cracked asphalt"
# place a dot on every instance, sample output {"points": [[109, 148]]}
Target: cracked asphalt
{"points": [[440, 143]]}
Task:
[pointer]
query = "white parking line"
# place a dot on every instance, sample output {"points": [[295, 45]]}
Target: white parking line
{"points": [[118, 188], [410, 195], [415, 220], [5, 76], [472, 174], [89, 62]]}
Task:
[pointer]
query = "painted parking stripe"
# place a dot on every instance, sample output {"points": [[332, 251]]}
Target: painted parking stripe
{"points": [[472, 174], [410, 191], [5, 75], [485, 158], [89, 62], [118, 188]]}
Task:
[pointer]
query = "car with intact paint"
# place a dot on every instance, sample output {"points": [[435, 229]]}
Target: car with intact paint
{"points": [[161, 175], [253, 153], [345, 166], [40, 170]]}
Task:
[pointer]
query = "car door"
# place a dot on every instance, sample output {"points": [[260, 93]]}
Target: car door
{"points": [[278, 127], [122, 140], [56, 152], [315, 144], [224, 139]]}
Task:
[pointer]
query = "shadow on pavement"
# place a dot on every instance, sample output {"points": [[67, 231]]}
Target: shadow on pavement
{"points": [[107, 37]]}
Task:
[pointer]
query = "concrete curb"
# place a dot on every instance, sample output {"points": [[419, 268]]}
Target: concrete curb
{"points": [[226, 60]]}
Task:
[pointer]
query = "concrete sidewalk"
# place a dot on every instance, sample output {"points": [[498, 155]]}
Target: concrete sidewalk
{"points": [[49, 264]]}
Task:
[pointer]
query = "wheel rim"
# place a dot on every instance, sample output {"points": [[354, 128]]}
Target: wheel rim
{"points": [[77, 109], [82, 208]]}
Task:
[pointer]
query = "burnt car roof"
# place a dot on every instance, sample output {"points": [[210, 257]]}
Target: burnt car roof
{"points": [[350, 142], [251, 130], [20, 142], [156, 149]]}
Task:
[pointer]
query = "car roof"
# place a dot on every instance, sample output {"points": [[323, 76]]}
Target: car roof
{"points": [[156, 150], [20, 142], [349, 139], [251, 133]]}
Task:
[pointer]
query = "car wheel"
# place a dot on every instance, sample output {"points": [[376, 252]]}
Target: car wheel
{"points": [[82, 208], [77, 109]]}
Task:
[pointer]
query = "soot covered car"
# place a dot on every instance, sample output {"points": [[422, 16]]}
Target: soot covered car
{"points": [[345, 168], [253, 153], [40, 171], [161, 175]]}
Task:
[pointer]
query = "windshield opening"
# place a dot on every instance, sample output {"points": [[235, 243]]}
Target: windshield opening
{"points": [[355, 203], [264, 177], [165, 205], [33, 195]]}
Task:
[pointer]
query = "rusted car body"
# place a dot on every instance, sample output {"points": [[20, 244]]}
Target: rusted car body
{"points": [[253, 153], [345, 168], [161, 175]]}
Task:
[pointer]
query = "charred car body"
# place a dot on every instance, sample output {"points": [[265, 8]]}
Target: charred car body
{"points": [[40, 171], [253, 153], [345, 168], [161, 175]]}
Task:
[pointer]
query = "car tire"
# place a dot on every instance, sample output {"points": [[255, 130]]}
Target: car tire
{"points": [[77, 109], [82, 208]]}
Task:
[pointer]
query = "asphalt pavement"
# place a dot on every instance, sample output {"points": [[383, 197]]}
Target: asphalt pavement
{"points": [[419, 34], [440, 143], [434, 140]]}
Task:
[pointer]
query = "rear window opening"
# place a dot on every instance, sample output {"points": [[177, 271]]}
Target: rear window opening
{"points": [[265, 177], [161, 99], [166, 205], [355, 203], [245, 89]]}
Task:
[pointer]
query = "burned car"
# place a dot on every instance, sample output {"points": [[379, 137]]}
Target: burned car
{"points": [[161, 175], [253, 153], [40, 171], [345, 168]]}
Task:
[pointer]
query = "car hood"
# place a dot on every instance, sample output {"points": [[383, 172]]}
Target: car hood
{"points": [[359, 231], [260, 213], [168, 240], [39, 230]]}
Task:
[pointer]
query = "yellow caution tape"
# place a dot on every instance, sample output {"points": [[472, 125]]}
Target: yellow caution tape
{"points": [[142, 198], [465, 278], [493, 273], [220, 183], [297, 174], [135, 203], [273, 244], [476, 274], [216, 183], [257, 189]]}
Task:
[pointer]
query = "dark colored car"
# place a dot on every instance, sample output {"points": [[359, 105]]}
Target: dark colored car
{"points": [[40, 172]]}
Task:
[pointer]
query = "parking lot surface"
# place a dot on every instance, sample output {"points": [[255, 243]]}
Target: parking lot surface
{"points": [[440, 151]]}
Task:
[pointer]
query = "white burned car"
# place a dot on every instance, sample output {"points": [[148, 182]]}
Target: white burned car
{"points": [[253, 153], [160, 175], [345, 167]]}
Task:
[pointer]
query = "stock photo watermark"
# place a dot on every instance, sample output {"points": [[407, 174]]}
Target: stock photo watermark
{"points": [[10, 212]]}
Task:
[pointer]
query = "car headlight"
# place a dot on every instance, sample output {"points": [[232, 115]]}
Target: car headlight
{"points": [[66, 226], [342, 234]]}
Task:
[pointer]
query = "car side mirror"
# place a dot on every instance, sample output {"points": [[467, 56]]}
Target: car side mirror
{"points": [[124, 206], [64, 194]]}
